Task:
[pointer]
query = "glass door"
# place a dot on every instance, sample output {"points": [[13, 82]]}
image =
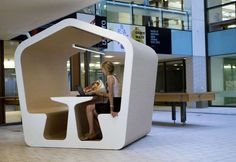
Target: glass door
{"points": [[171, 76], [223, 80]]}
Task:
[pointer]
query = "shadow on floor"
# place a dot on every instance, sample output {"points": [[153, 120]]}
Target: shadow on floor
{"points": [[172, 124]]}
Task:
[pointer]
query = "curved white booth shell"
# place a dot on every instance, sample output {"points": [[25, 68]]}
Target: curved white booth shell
{"points": [[52, 118]]}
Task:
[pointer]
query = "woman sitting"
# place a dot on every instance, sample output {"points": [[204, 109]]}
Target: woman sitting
{"points": [[112, 106]]}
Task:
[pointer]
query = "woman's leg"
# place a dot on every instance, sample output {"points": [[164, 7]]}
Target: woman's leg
{"points": [[90, 116], [97, 126]]}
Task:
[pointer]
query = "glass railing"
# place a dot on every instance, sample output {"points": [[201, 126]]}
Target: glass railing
{"points": [[134, 14]]}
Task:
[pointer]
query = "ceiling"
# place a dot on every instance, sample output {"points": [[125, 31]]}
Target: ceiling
{"points": [[20, 16]]}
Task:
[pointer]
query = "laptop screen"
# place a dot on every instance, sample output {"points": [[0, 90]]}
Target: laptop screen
{"points": [[81, 91]]}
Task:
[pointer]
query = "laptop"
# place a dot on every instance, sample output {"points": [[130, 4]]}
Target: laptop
{"points": [[81, 92]]}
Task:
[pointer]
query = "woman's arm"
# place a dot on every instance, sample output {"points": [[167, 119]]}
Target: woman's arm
{"points": [[110, 82]]}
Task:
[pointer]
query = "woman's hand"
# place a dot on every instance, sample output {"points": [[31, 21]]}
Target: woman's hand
{"points": [[114, 114]]}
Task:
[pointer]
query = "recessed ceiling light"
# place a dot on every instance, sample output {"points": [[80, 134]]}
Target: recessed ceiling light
{"points": [[97, 56], [116, 63], [109, 56]]}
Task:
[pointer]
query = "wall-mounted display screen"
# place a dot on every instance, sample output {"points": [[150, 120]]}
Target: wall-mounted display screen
{"points": [[159, 39]]}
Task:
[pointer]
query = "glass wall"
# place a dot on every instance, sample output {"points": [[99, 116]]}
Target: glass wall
{"points": [[170, 4], [223, 80], [12, 108], [176, 4], [134, 14], [9, 68], [95, 71], [90, 68], [175, 21], [89, 10], [221, 14], [212, 3], [119, 13], [146, 17]]}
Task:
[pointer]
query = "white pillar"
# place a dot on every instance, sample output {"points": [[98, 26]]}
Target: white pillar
{"points": [[196, 65], [198, 28]]}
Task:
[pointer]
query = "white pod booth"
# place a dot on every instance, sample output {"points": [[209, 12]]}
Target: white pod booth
{"points": [[52, 118]]}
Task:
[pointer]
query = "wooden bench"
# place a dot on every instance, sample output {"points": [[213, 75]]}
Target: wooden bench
{"points": [[181, 99], [10, 100]]}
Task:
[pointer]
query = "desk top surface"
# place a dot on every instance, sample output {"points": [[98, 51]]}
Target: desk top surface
{"points": [[71, 100]]}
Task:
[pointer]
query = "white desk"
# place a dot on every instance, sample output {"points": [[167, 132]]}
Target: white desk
{"points": [[71, 102]]}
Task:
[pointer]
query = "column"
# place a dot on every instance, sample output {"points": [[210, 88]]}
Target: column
{"points": [[196, 79], [2, 87], [75, 71]]}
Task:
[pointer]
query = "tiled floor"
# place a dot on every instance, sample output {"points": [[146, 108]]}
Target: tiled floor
{"points": [[208, 136]]}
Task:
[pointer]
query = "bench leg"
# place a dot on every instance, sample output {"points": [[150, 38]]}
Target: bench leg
{"points": [[183, 112], [173, 109]]}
